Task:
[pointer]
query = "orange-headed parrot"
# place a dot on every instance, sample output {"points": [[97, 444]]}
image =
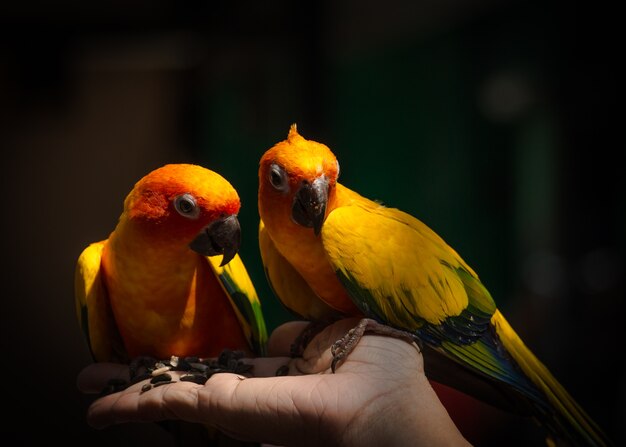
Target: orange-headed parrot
{"points": [[168, 280], [327, 249]]}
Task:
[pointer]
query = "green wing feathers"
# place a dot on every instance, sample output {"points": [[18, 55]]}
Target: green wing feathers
{"points": [[243, 297], [401, 273]]}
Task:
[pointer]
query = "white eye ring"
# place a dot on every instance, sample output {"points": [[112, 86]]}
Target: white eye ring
{"points": [[186, 206], [278, 178], [338, 170]]}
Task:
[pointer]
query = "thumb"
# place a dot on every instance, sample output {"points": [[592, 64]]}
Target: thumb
{"points": [[93, 378]]}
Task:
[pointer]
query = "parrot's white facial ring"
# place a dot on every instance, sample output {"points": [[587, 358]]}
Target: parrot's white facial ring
{"points": [[186, 206], [278, 178]]}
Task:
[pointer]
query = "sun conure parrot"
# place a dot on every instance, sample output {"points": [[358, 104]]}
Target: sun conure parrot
{"points": [[327, 249], [168, 280]]}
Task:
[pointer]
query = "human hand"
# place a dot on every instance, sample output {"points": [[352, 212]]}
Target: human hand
{"points": [[379, 395]]}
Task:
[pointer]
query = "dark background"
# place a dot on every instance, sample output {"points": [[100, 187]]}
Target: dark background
{"points": [[495, 122]]}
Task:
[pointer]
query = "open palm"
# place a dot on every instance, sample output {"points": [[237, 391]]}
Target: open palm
{"points": [[378, 395]]}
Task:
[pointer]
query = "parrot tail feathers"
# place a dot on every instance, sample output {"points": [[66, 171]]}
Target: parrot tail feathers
{"points": [[567, 420]]}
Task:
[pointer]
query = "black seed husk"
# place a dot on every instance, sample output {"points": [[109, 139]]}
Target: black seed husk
{"points": [[195, 378], [161, 378]]}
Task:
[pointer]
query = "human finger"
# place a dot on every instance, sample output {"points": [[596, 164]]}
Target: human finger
{"points": [[279, 343], [95, 377]]}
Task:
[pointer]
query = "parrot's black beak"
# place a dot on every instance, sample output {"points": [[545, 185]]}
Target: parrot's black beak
{"points": [[309, 205], [222, 236]]}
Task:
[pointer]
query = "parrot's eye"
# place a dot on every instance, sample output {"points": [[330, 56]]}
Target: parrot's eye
{"points": [[278, 178], [186, 206]]}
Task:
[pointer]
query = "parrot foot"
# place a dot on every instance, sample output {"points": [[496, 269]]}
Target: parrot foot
{"points": [[344, 346], [230, 362], [313, 328]]}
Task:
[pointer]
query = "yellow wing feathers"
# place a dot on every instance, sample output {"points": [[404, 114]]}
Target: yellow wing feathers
{"points": [[93, 308], [86, 274], [370, 243]]}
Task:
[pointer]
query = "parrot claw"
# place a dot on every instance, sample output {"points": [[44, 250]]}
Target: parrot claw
{"points": [[308, 334], [344, 346]]}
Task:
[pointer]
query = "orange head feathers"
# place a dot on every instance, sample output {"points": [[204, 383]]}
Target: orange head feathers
{"points": [[189, 204], [298, 177]]}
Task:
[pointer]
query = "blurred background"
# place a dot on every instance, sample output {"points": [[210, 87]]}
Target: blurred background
{"points": [[494, 122]]}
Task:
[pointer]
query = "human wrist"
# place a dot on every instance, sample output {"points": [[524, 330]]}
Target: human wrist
{"points": [[412, 415]]}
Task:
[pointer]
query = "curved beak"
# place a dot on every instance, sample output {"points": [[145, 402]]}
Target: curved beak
{"points": [[309, 204], [220, 237]]}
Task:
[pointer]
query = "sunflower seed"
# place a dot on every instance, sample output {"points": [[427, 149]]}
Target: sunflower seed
{"points": [[195, 378], [161, 370], [161, 378]]}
